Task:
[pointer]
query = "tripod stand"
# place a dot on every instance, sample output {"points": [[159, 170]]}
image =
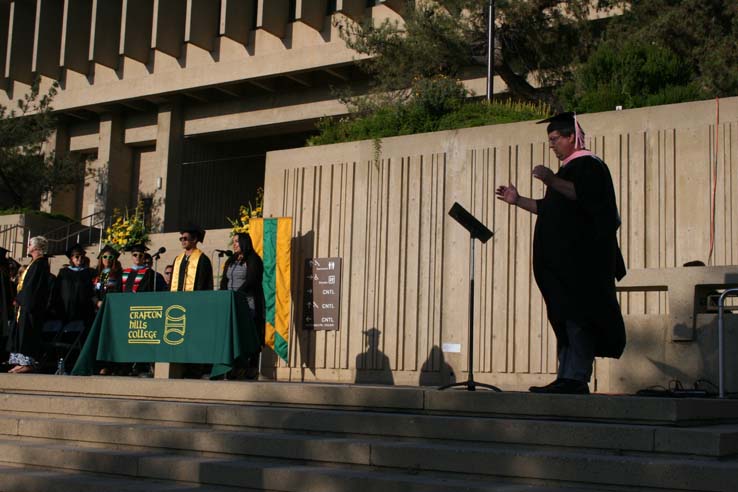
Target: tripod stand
{"points": [[477, 230]]}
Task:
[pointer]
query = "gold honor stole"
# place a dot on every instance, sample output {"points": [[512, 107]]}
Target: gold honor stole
{"points": [[189, 283], [272, 239], [20, 286]]}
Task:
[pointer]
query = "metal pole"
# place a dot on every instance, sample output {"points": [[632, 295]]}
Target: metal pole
{"points": [[471, 315], [721, 341], [490, 49]]}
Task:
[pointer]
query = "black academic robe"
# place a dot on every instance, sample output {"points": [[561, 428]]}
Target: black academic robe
{"points": [[32, 300], [576, 257], [203, 274], [75, 295], [6, 303]]}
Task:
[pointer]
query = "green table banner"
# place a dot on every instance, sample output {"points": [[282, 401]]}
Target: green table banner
{"points": [[204, 327]]}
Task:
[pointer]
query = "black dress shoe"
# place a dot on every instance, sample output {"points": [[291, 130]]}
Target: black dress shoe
{"points": [[563, 387]]}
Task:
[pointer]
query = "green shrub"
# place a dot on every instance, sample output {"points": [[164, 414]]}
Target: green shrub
{"points": [[436, 104], [631, 75]]}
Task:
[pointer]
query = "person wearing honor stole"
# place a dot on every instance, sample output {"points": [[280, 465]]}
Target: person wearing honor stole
{"points": [[192, 268], [24, 343], [138, 277], [75, 289], [576, 257]]}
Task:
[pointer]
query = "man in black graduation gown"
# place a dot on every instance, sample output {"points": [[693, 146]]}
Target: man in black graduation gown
{"points": [[576, 258], [138, 277], [192, 268], [75, 290]]}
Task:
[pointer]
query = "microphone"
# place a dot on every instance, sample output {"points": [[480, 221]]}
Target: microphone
{"points": [[159, 252], [222, 252]]}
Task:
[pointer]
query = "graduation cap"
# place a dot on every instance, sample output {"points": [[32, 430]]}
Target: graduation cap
{"points": [[137, 248], [108, 250], [566, 123], [3, 253], [194, 230], [75, 249]]}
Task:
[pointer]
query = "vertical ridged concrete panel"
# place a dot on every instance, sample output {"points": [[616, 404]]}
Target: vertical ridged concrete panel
{"points": [[168, 26], [76, 30], [105, 32], [273, 16], [237, 17], [311, 12], [47, 37], [405, 263], [202, 24], [19, 57], [136, 26]]}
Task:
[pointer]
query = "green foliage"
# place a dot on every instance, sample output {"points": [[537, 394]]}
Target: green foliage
{"points": [[631, 75], [26, 172], [701, 34], [538, 39], [30, 211], [425, 114]]}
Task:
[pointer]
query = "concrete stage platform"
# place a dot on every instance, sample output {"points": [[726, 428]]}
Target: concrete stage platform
{"points": [[65, 433]]}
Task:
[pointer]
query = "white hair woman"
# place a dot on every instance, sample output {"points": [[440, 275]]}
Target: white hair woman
{"points": [[31, 302]]}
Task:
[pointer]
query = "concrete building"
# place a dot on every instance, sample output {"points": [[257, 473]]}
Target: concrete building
{"points": [[176, 102]]}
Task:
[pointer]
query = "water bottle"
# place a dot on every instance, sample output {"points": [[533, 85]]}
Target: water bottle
{"points": [[60, 368]]}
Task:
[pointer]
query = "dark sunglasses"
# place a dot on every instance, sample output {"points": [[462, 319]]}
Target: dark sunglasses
{"points": [[107, 257], [185, 238], [136, 255]]}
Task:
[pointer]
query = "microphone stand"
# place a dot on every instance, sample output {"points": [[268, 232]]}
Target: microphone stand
{"points": [[220, 274], [156, 263]]}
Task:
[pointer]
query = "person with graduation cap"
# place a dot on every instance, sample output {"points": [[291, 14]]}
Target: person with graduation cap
{"points": [[24, 342], [192, 268], [138, 277], [109, 271], [75, 295], [576, 257]]}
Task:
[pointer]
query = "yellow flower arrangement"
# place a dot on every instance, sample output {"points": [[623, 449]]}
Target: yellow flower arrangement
{"points": [[127, 229], [246, 213]]}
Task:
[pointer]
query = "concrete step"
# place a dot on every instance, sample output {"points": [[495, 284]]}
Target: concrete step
{"points": [[124, 448], [33, 479], [596, 408], [16, 419], [155, 472]]}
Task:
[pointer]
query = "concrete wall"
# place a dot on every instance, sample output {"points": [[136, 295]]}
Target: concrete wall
{"points": [[406, 262]]}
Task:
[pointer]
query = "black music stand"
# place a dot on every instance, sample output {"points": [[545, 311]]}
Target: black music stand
{"points": [[477, 230]]}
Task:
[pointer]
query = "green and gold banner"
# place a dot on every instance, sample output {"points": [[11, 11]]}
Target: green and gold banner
{"points": [[204, 327], [272, 239]]}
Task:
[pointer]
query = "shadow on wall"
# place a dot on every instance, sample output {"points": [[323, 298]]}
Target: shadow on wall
{"points": [[435, 370], [372, 365]]}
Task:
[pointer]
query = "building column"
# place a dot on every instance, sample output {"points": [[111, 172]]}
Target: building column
{"points": [[62, 201], [113, 169], [169, 145]]}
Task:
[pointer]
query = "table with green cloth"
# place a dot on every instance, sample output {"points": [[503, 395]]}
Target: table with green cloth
{"points": [[203, 327]]}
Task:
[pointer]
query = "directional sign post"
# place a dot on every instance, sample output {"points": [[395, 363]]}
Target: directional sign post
{"points": [[322, 288]]}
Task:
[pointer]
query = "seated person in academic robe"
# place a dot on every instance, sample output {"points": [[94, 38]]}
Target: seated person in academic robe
{"points": [[138, 277], [75, 289], [192, 268], [24, 343], [161, 283]]}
